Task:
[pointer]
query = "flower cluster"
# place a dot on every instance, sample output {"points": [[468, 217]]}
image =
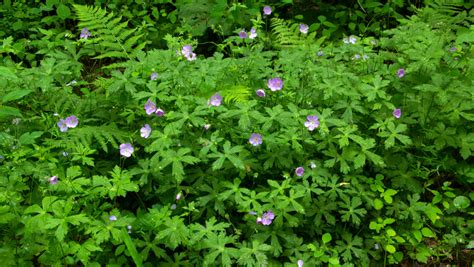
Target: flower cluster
{"points": [[69, 122], [243, 34], [150, 108], [350, 40], [267, 218], [187, 52]]}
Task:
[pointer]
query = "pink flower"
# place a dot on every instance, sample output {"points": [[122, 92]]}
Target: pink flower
{"points": [[53, 180]]}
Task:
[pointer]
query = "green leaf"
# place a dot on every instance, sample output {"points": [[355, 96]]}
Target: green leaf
{"points": [[15, 95], [29, 138], [63, 11], [327, 238], [390, 249], [391, 232], [427, 232], [131, 248], [378, 204], [461, 202], [8, 112]]}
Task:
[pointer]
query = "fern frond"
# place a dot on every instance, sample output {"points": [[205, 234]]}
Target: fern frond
{"points": [[286, 34], [110, 33], [238, 93], [103, 135]]}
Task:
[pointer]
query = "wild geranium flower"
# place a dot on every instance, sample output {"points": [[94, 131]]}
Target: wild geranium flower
{"points": [[159, 112], [304, 28], [255, 139], [253, 33], [215, 100], [53, 180], [267, 10], [112, 218], [187, 52], [71, 121], [126, 150], [300, 263], [312, 165], [173, 206], [62, 125], [320, 53], [150, 107], [299, 171], [356, 56], [267, 218], [260, 93], [207, 126], [397, 113], [275, 84], [242, 34], [85, 33], [178, 196], [154, 76], [312, 122], [145, 131], [400, 73]]}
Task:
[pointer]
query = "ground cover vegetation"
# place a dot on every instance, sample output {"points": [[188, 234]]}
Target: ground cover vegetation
{"points": [[236, 133]]}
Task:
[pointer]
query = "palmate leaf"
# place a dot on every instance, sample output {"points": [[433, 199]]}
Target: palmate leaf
{"points": [[109, 33]]}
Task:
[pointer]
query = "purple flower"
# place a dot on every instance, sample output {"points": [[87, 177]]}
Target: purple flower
{"points": [[275, 84], [453, 49], [71, 121], [154, 76], [400, 73], [178, 196], [159, 112], [62, 125], [253, 33], [207, 126], [191, 56], [186, 50], [112, 218], [304, 28], [320, 54], [267, 10], [85, 33], [397, 113], [356, 56], [299, 171], [126, 150], [300, 263], [255, 139], [145, 131], [150, 107], [266, 218], [260, 93], [53, 180], [242, 34], [215, 100], [312, 122]]}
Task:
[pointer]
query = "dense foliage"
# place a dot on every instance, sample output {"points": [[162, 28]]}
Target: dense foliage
{"points": [[235, 134]]}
